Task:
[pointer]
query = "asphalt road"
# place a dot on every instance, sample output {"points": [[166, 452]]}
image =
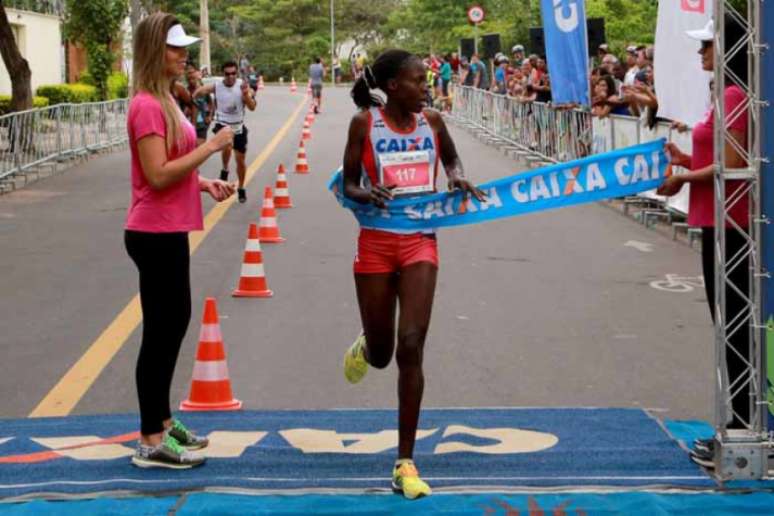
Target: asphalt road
{"points": [[547, 310]]}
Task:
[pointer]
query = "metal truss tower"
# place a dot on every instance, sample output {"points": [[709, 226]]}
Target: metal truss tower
{"points": [[741, 451]]}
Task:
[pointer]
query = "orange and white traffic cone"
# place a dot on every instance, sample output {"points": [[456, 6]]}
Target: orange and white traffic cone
{"points": [[281, 192], [302, 167], [293, 87], [269, 231], [252, 280], [210, 385], [310, 114], [306, 133], [260, 83], [309, 89]]}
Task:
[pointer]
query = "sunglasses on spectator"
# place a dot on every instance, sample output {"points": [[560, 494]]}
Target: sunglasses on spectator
{"points": [[705, 45], [228, 74]]}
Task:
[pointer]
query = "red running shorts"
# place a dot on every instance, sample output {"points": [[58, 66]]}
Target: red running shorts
{"points": [[384, 252]]}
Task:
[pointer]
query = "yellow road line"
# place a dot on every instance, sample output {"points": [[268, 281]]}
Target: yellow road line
{"points": [[63, 397]]}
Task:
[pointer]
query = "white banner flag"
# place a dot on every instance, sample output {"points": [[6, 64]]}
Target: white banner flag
{"points": [[682, 87]]}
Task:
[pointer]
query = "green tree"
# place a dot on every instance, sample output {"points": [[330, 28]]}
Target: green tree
{"points": [[626, 21], [186, 11], [97, 25], [359, 23], [436, 26], [430, 25], [283, 35]]}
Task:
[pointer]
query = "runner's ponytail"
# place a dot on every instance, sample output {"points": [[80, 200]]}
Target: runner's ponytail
{"points": [[387, 66], [361, 94]]}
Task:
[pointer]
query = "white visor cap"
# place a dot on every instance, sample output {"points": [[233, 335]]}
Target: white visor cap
{"points": [[705, 34], [176, 37]]}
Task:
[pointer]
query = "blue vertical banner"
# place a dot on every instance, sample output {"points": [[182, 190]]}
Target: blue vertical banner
{"points": [[564, 25], [767, 206]]}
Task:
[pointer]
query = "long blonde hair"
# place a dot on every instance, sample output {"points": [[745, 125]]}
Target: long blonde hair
{"points": [[149, 69]]}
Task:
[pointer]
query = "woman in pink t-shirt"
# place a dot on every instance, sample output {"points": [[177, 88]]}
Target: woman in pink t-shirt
{"points": [[701, 212], [165, 206]]}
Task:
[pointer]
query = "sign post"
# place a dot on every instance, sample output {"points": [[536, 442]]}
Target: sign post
{"points": [[475, 16]]}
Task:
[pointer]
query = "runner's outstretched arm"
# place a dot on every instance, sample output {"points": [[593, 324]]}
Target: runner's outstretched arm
{"points": [[450, 158], [206, 89], [248, 96], [210, 109]]}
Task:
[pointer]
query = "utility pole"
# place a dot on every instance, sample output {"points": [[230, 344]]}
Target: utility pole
{"points": [[204, 34], [333, 47], [135, 14]]}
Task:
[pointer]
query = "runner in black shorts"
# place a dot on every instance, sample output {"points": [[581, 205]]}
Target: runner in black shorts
{"points": [[240, 140], [232, 95]]}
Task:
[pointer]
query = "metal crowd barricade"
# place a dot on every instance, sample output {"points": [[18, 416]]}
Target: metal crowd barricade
{"points": [[38, 138], [554, 134], [534, 128]]}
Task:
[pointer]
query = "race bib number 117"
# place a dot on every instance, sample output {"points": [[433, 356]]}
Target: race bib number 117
{"points": [[409, 172]]}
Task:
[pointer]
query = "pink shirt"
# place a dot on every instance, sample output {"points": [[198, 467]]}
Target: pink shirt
{"points": [[701, 207], [176, 208]]}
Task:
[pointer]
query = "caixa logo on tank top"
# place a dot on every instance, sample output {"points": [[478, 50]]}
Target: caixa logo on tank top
{"points": [[418, 143], [692, 6]]}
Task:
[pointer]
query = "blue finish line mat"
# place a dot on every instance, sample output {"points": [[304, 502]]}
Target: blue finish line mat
{"points": [[484, 504], [337, 451]]}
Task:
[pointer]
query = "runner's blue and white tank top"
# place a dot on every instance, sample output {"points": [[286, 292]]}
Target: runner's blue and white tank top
{"points": [[405, 158], [229, 107]]}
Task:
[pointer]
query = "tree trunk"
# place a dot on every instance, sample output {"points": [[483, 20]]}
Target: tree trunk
{"points": [[17, 66]]}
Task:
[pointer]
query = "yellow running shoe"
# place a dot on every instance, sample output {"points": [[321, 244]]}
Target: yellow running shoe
{"points": [[355, 364], [405, 479]]}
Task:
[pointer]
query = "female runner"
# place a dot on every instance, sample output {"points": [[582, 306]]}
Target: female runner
{"points": [[393, 149]]}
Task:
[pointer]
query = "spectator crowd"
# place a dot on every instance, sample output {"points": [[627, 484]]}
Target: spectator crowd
{"points": [[618, 85]]}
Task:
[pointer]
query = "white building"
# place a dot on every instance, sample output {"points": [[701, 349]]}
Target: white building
{"points": [[39, 38]]}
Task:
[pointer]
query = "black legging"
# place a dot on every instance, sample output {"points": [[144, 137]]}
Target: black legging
{"points": [[165, 295], [734, 305]]}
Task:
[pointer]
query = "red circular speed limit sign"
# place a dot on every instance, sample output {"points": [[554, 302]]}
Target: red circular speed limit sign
{"points": [[476, 14]]}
